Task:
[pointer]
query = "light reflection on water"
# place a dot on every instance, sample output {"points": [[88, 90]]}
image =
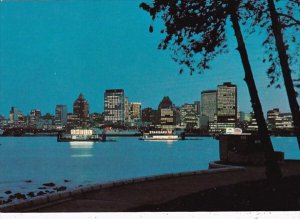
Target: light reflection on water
{"points": [[82, 145], [170, 142], [81, 149], [81, 155], [162, 141]]}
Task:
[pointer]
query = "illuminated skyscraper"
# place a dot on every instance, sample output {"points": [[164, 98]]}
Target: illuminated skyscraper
{"points": [[136, 110], [167, 113], [15, 115], [34, 117], [81, 109], [209, 104], [61, 115], [188, 115], [114, 107], [227, 103], [126, 110]]}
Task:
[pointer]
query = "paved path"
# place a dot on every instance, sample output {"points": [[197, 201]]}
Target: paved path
{"points": [[123, 197]]}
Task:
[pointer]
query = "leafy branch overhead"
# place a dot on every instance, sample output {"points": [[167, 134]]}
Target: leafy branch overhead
{"points": [[256, 17], [195, 30]]}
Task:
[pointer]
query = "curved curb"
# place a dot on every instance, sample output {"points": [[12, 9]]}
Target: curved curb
{"points": [[51, 199], [217, 165]]}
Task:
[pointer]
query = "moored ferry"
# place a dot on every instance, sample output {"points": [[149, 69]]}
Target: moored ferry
{"points": [[80, 135], [163, 135]]}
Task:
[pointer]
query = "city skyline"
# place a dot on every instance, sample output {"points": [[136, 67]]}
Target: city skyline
{"points": [[70, 106], [120, 112], [60, 55]]}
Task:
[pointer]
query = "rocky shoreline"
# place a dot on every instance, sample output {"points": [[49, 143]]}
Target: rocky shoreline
{"points": [[44, 189]]}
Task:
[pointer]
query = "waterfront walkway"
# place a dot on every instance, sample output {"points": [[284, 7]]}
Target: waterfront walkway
{"points": [[154, 191]]}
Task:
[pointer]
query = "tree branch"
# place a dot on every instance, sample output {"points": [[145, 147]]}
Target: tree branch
{"points": [[293, 1], [289, 25], [296, 1], [296, 21]]}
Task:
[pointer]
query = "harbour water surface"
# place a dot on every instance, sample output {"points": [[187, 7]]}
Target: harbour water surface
{"points": [[26, 163]]}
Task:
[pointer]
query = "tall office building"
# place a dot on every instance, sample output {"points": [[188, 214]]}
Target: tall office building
{"points": [[149, 116], [285, 122], [126, 110], [167, 113], [81, 109], [136, 110], [61, 115], [114, 107], [227, 103], [197, 107], [272, 116], [277, 120], [244, 117], [188, 115], [252, 126], [36, 112], [34, 117], [209, 104], [135, 114], [15, 115], [3, 121]]}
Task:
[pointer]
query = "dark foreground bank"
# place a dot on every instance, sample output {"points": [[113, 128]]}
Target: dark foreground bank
{"points": [[227, 188], [247, 196]]}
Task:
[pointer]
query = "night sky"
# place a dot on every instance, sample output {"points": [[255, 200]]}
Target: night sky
{"points": [[50, 51]]}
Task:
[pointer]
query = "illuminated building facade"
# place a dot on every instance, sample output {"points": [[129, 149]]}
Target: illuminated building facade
{"points": [[114, 107]]}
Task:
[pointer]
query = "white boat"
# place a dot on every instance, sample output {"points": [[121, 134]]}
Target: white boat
{"points": [[163, 135], [80, 135]]}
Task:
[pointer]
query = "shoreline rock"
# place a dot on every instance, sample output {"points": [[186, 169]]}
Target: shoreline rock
{"points": [[49, 188], [61, 188], [51, 184]]}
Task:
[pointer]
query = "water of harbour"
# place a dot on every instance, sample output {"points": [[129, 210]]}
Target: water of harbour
{"points": [[26, 163]]}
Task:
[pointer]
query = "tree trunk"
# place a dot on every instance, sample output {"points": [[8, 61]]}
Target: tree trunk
{"points": [[285, 68], [273, 171]]}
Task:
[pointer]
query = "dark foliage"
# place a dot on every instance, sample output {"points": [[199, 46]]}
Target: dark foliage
{"points": [[257, 18], [281, 25], [194, 30]]}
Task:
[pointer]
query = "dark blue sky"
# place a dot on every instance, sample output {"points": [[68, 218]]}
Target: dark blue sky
{"points": [[50, 51]]}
